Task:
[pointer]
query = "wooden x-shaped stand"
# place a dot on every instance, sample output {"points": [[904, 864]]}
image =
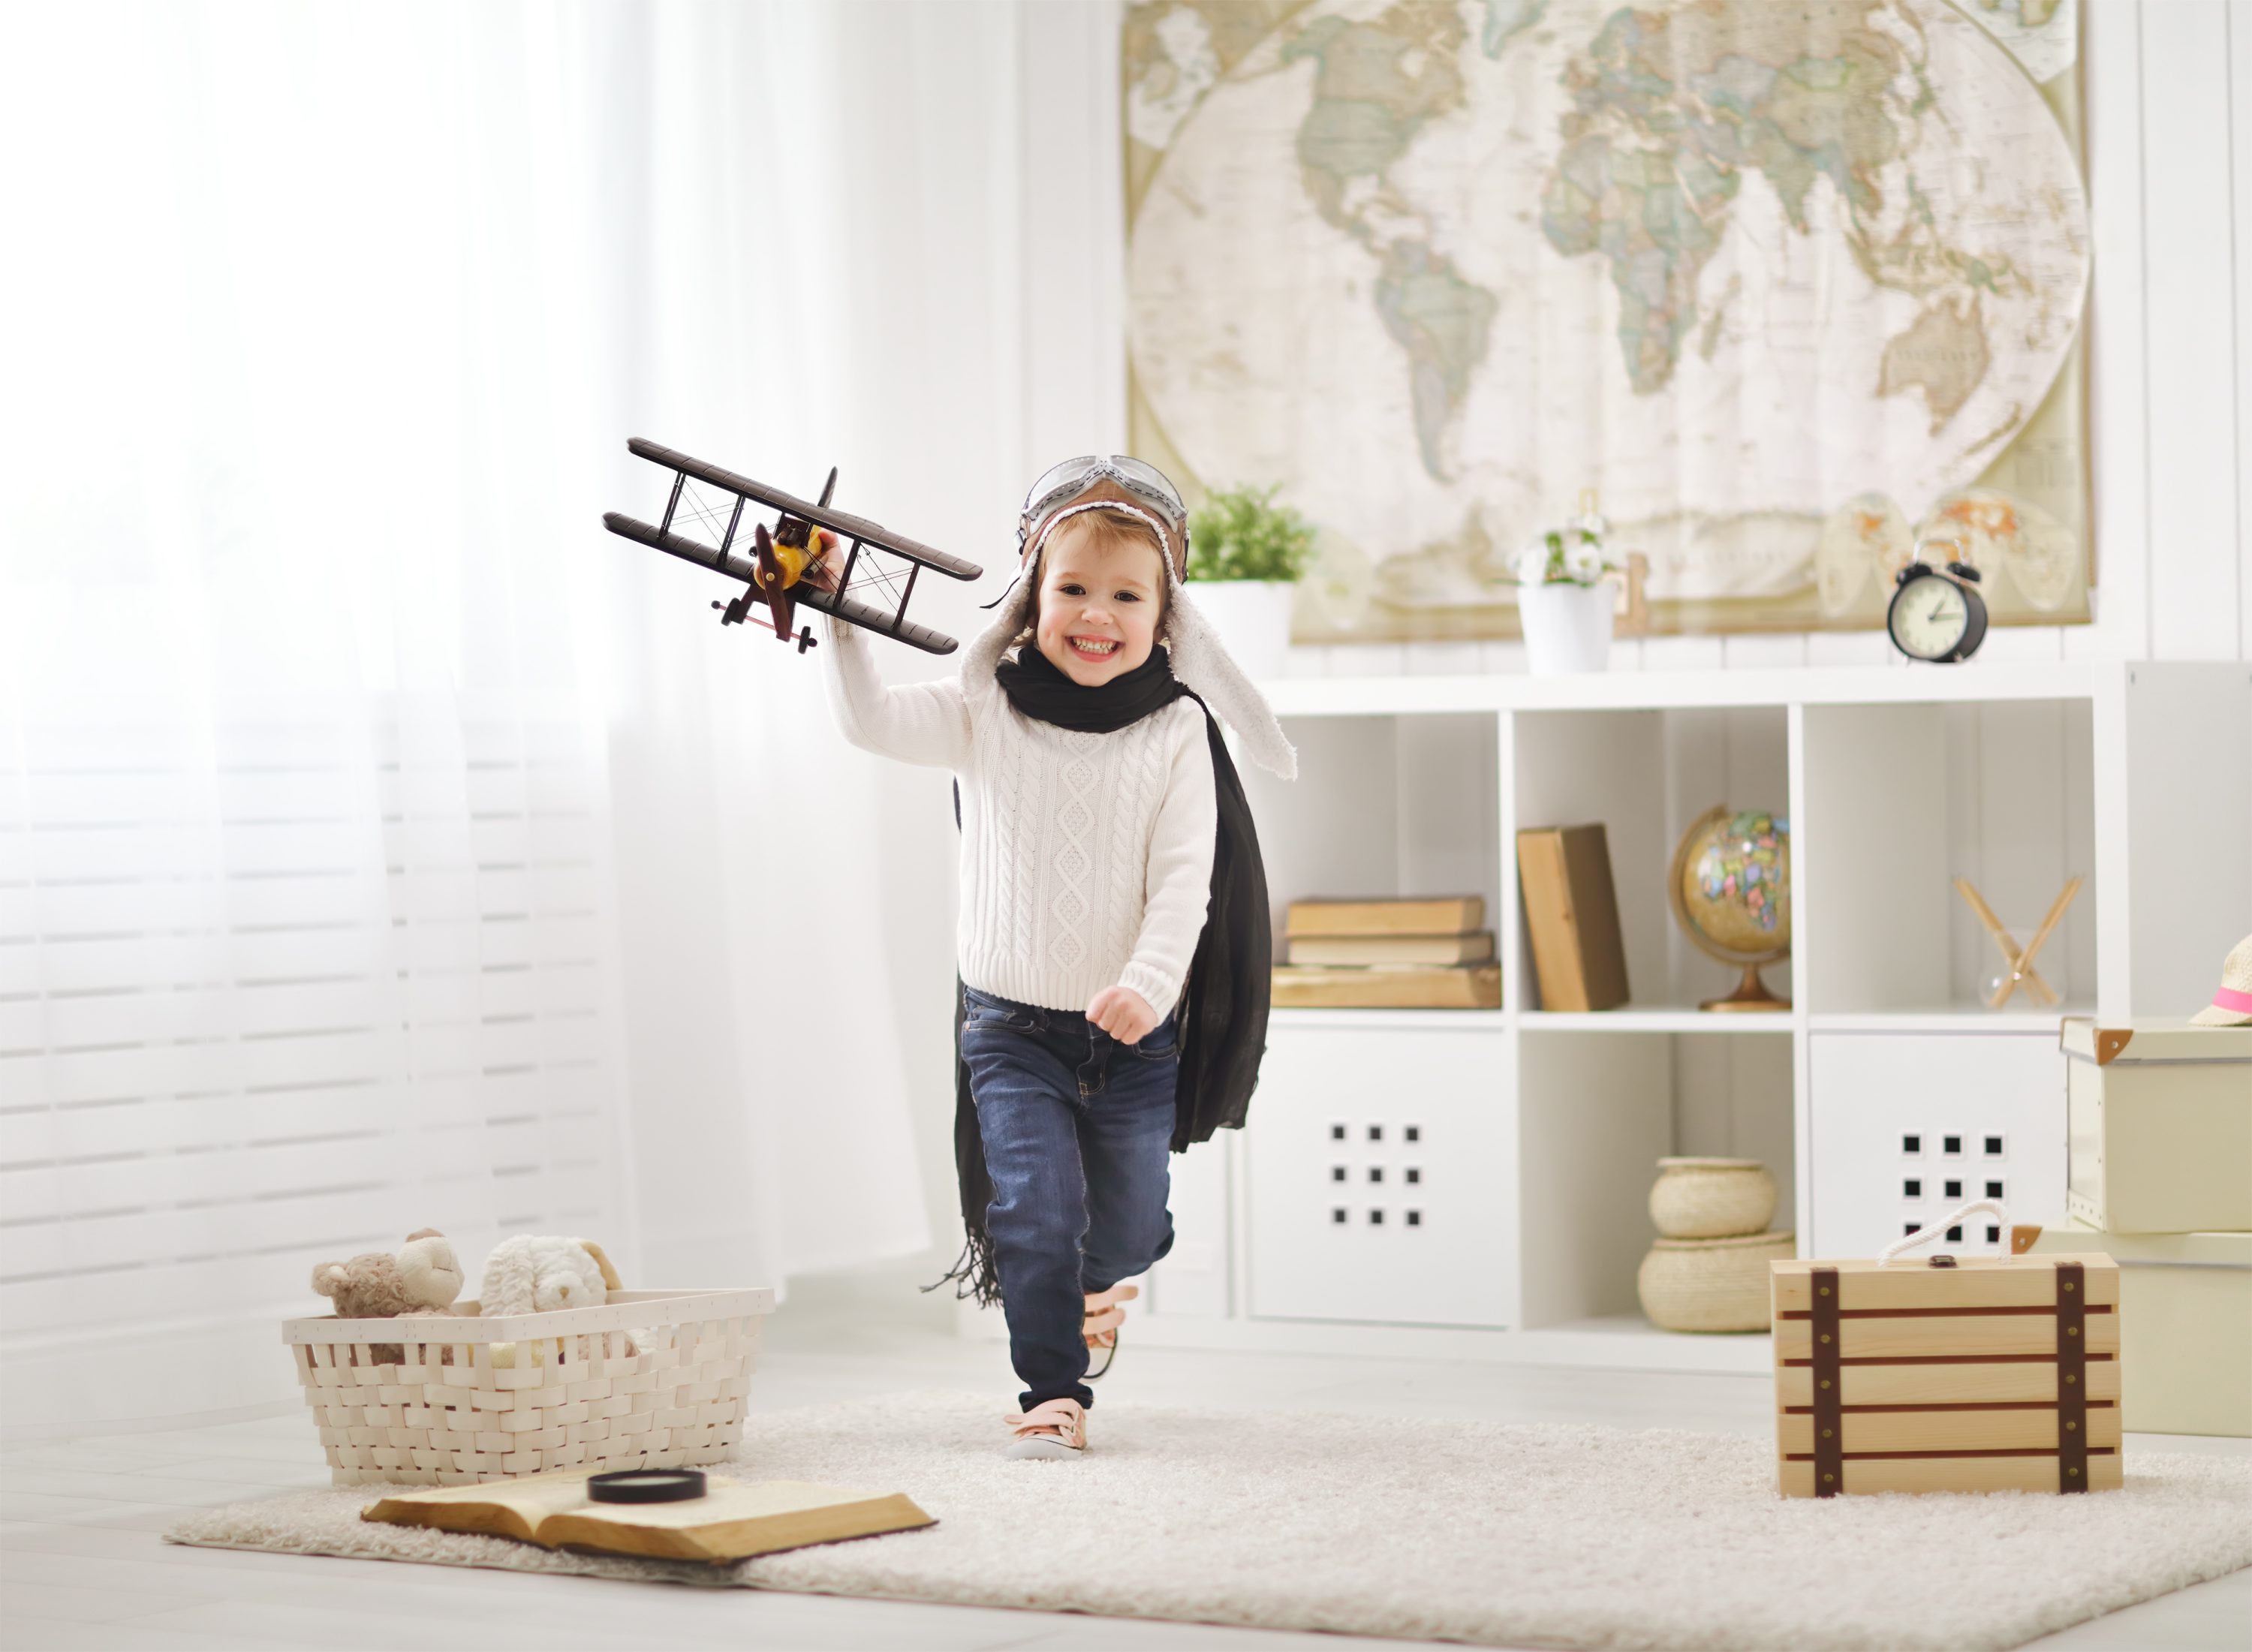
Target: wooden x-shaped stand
{"points": [[2020, 963]]}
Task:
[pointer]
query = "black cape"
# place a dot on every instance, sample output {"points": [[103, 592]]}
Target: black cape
{"points": [[1224, 1002]]}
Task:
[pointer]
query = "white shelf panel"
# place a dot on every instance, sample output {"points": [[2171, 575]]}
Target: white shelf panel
{"points": [[1949, 1018], [1632, 690], [1654, 1020], [1416, 1020]]}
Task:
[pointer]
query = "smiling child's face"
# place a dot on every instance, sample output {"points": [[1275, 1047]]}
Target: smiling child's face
{"points": [[1100, 600]]}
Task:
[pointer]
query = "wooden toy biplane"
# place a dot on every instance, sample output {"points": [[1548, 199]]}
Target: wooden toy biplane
{"points": [[774, 573]]}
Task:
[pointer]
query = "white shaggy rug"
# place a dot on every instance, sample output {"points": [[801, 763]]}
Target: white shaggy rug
{"points": [[1499, 1535]]}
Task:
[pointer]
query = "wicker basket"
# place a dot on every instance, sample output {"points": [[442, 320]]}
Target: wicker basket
{"points": [[1711, 1285], [652, 1378], [1711, 1198]]}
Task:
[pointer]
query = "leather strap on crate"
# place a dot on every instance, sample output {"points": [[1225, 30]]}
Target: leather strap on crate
{"points": [[1829, 1388], [2071, 1377]]}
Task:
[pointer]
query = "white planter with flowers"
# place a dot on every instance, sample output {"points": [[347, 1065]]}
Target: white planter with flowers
{"points": [[1567, 626], [1245, 553], [1566, 600]]}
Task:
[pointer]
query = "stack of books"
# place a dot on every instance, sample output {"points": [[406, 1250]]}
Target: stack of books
{"points": [[1389, 954]]}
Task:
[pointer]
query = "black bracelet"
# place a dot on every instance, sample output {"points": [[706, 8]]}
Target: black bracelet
{"points": [[647, 1485]]}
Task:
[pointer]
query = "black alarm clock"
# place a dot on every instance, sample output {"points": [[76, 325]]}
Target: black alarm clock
{"points": [[1936, 613]]}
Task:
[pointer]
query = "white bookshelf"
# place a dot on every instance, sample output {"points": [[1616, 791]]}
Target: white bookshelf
{"points": [[1628, 1019], [1539, 1130]]}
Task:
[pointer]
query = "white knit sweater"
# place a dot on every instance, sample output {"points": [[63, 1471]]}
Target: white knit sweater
{"points": [[1086, 859]]}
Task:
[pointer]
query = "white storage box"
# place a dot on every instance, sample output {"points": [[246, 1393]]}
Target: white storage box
{"points": [[2185, 1309], [2160, 1127], [1370, 1178], [1908, 1126], [654, 1379]]}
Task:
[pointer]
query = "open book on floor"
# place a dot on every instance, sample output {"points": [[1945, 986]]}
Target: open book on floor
{"points": [[730, 1522]]}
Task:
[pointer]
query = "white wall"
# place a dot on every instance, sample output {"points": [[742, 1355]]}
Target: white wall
{"points": [[2169, 107], [956, 317], [2172, 206], [995, 342]]}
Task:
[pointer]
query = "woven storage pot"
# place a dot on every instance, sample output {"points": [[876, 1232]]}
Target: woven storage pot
{"points": [[1711, 1285], [1711, 1198], [489, 1398]]}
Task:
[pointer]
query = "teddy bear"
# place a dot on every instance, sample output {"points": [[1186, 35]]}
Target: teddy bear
{"points": [[539, 1273], [423, 1278]]}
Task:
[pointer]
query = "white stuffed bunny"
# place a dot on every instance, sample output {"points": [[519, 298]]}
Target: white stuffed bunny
{"points": [[538, 1272]]}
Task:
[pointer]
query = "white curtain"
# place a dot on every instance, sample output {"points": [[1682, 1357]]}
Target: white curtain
{"points": [[382, 845]]}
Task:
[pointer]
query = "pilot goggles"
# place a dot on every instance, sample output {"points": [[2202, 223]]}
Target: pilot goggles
{"points": [[1059, 484]]}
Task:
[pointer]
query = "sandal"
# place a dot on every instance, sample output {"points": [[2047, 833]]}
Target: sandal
{"points": [[1104, 1316], [1054, 1428]]}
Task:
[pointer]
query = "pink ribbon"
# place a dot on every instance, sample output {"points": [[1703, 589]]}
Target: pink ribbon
{"points": [[2229, 998]]}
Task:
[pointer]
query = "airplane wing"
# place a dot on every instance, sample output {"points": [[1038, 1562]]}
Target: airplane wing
{"points": [[842, 523], [741, 569]]}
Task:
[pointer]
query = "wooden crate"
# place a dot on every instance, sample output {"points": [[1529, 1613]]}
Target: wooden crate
{"points": [[1990, 1373]]}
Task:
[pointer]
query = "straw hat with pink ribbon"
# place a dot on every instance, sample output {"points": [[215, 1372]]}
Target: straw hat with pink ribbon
{"points": [[2232, 1004]]}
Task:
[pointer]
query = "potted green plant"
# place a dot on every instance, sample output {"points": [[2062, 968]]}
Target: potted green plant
{"points": [[1246, 554]]}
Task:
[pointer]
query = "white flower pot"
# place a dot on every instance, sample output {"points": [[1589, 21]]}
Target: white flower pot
{"points": [[1567, 627], [1252, 618]]}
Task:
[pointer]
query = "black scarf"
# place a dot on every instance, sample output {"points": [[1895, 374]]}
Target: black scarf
{"points": [[1224, 1002]]}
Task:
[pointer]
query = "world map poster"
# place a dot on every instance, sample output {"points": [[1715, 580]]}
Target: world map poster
{"points": [[1792, 288]]}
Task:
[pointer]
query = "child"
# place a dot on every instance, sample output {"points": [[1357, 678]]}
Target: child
{"points": [[1113, 942]]}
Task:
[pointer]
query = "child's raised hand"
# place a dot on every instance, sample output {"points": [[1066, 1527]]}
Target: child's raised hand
{"points": [[1123, 1013], [820, 569]]}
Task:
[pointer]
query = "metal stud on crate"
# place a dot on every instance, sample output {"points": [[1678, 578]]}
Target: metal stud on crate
{"points": [[1982, 1373], [652, 1379]]}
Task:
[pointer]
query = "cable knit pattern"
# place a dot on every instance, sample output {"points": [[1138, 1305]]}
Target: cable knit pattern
{"points": [[1086, 859], [1068, 904]]}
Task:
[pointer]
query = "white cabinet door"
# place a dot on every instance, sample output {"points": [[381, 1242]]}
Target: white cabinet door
{"points": [[1379, 1177], [1191, 1281], [1907, 1125]]}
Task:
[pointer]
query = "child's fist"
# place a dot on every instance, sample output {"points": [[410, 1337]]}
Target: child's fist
{"points": [[1123, 1013], [820, 571]]}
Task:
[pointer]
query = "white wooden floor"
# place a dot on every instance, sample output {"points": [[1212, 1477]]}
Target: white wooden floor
{"points": [[81, 1566]]}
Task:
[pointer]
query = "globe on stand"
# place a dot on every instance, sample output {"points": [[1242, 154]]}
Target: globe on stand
{"points": [[1730, 890]]}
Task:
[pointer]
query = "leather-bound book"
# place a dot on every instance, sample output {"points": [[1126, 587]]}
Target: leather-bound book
{"points": [[730, 1521], [1571, 913]]}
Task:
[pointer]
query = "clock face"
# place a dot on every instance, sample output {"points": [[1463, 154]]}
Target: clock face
{"points": [[1928, 617]]}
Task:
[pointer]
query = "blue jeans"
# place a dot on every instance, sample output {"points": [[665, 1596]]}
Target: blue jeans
{"points": [[1078, 1128]]}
